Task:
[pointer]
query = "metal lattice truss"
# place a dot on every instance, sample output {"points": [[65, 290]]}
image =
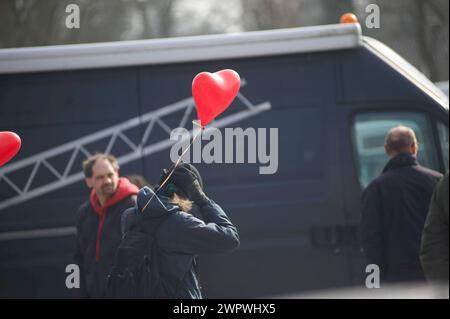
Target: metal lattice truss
{"points": [[113, 135]]}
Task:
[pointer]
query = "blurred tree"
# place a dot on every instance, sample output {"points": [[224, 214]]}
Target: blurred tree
{"points": [[431, 28], [37, 22], [156, 15], [195, 17], [330, 11], [26, 22], [100, 20], [270, 14], [418, 30]]}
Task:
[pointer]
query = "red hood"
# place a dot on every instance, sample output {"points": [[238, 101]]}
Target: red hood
{"points": [[124, 189]]}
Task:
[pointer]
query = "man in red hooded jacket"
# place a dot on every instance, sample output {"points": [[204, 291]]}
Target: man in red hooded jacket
{"points": [[98, 222]]}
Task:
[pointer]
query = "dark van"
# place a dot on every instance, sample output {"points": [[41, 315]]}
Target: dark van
{"points": [[331, 92]]}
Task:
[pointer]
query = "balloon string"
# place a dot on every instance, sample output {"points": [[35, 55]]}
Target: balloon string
{"points": [[175, 166]]}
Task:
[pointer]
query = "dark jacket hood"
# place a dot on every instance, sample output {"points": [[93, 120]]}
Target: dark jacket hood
{"points": [[154, 205]]}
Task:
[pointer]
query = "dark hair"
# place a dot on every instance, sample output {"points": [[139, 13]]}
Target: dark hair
{"points": [[90, 162], [400, 139]]}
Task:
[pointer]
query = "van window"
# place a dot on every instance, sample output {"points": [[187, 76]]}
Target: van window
{"points": [[443, 139], [369, 133]]}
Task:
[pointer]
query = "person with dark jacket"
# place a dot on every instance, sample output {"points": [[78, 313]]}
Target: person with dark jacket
{"points": [[394, 208], [99, 222], [181, 237], [435, 242]]}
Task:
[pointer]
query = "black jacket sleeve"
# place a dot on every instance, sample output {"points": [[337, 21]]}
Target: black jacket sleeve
{"points": [[79, 255], [434, 253], [214, 234], [371, 227]]}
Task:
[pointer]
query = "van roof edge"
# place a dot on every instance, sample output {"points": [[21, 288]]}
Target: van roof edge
{"points": [[179, 50], [405, 68]]}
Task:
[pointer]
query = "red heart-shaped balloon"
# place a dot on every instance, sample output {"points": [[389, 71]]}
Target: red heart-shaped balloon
{"points": [[9, 146], [214, 92]]}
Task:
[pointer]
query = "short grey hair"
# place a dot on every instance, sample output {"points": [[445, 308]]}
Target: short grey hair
{"points": [[400, 139]]}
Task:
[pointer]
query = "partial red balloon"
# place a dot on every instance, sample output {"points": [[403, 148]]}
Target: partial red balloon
{"points": [[214, 92], [9, 146]]}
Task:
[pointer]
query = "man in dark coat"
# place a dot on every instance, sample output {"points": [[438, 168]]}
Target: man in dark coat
{"points": [[181, 236], [435, 243], [99, 222], [395, 206]]}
